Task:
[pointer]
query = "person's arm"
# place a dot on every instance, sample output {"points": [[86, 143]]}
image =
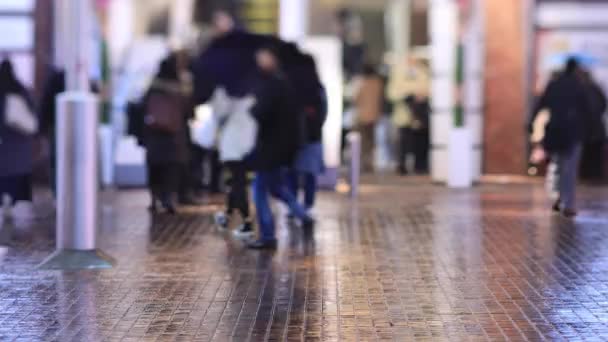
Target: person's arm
{"points": [[541, 103]]}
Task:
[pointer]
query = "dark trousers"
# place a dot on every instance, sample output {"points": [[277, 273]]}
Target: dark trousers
{"points": [[414, 142], [405, 147], [238, 198], [306, 182], [368, 146], [273, 183], [421, 146], [214, 169], [163, 181]]}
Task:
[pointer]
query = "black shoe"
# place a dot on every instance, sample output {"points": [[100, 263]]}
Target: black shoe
{"points": [[557, 206], [244, 232], [169, 208], [308, 225], [263, 244]]}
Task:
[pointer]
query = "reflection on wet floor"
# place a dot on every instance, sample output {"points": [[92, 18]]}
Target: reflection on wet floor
{"points": [[406, 262]]}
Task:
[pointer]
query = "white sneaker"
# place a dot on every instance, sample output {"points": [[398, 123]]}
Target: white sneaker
{"points": [[221, 221], [244, 231]]}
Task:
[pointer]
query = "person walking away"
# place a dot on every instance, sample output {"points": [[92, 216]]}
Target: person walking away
{"points": [[236, 139], [408, 77], [309, 162], [369, 109], [277, 144], [18, 125], [592, 160], [420, 109], [567, 102], [165, 141]]}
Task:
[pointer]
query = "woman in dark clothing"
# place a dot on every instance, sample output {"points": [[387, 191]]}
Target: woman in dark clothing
{"points": [[16, 147], [565, 97], [165, 138]]}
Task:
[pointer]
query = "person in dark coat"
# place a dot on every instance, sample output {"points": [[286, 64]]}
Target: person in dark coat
{"points": [[313, 102], [419, 131], [592, 160], [16, 148], [566, 98], [166, 142], [278, 140]]}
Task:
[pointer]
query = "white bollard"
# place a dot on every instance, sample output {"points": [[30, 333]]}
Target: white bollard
{"points": [[77, 184], [354, 143]]}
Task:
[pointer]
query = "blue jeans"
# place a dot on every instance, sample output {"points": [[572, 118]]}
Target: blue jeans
{"points": [[273, 183], [309, 183], [567, 172]]}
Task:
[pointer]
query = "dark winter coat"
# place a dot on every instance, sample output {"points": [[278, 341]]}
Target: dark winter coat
{"points": [[162, 147], [16, 149], [566, 99], [595, 130], [278, 127]]}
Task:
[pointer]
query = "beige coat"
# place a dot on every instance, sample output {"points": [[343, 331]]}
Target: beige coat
{"points": [[405, 80], [368, 100]]}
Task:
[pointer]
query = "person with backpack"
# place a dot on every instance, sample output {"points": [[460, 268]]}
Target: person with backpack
{"points": [[566, 99], [278, 140], [309, 162], [166, 109]]}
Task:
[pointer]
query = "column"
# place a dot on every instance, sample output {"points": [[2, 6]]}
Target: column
{"points": [[444, 23], [398, 24], [293, 19], [77, 151]]}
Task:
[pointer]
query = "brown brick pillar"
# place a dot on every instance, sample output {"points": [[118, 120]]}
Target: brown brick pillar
{"points": [[505, 100]]}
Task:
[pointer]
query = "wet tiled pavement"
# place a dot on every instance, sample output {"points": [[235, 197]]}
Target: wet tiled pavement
{"points": [[406, 262]]}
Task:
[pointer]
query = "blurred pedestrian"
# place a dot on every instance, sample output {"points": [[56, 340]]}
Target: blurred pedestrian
{"points": [[593, 156], [309, 161], [278, 141], [420, 142], [166, 111], [369, 109], [18, 125], [566, 99], [236, 134], [408, 77]]}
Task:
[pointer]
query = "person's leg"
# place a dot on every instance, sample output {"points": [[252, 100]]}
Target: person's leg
{"points": [[280, 190], [568, 175], [420, 142], [402, 151], [293, 181], [154, 185], [367, 147], [215, 168], [310, 190], [171, 173], [264, 212]]}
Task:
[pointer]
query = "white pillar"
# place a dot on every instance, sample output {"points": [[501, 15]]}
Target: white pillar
{"points": [[398, 26], [293, 19], [60, 30], [77, 151], [180, 22], [444, 39]]}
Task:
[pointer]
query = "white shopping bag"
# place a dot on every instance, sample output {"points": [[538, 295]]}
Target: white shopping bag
{"points": [[204, 127], [18, 116]]}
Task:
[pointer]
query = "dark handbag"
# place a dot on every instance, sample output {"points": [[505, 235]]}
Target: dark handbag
{"points": [[163, 113]]}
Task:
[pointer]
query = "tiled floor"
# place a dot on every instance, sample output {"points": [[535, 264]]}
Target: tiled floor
{"points": [[408, 261]]}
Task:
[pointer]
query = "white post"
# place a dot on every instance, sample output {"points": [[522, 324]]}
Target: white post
{"points": [[77, 151], [398, 22], [456, 149], [293, 19]]}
